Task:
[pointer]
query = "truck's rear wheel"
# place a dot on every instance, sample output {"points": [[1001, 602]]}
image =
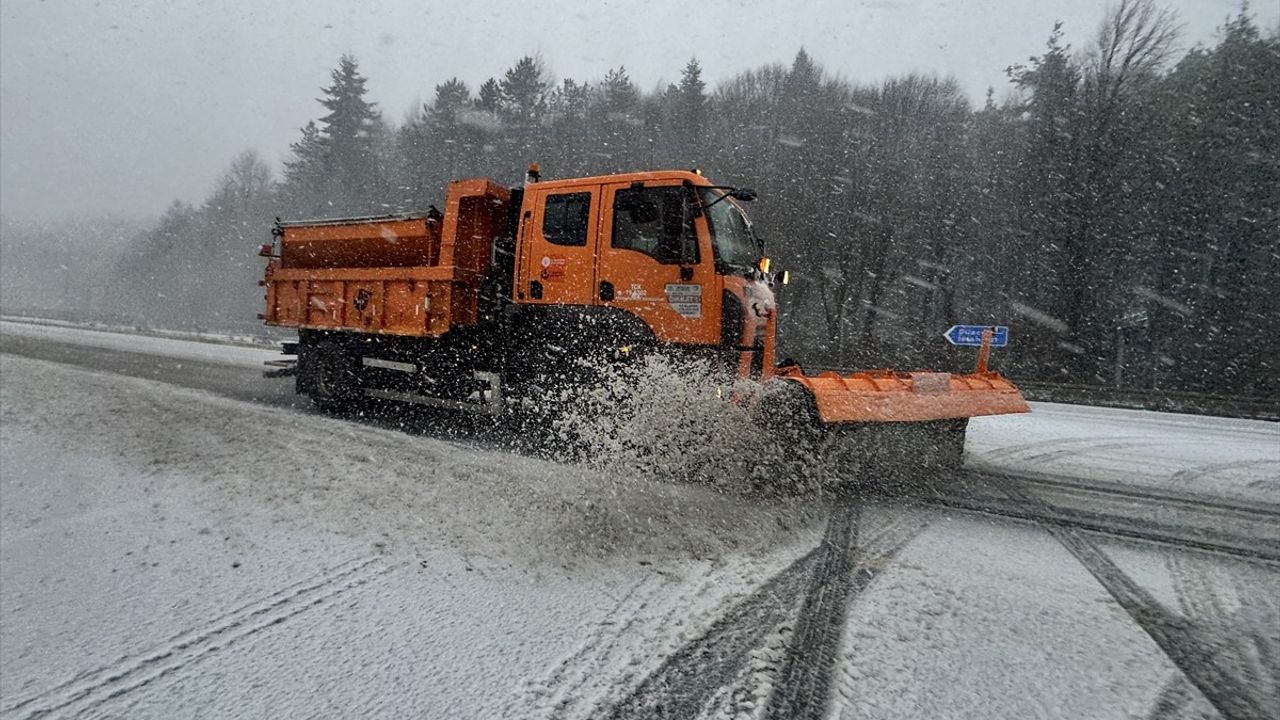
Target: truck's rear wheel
{"points": [[327, 373]]}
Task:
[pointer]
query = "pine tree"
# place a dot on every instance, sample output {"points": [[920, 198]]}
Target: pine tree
{"points": [[350, 133], [1048, 196], [689, 114], [340, 165], [524, 92], [452, 98], [569, 107], [489, 97], [1220, 320], [618, 120], [305, 175], [618, 94], [453, 142]]}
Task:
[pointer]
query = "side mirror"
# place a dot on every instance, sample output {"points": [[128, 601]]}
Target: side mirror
{"points": [[742, 194]]}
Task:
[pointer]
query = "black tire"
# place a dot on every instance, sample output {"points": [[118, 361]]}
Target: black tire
{"points": [[917, 456], [949, 436], [799, 449], [327, 374]]}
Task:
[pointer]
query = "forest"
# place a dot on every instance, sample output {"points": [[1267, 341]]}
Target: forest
{"points": [[1117, 204]]}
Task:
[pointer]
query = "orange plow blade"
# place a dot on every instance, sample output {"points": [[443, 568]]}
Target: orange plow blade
{"points": [[880, 396]]}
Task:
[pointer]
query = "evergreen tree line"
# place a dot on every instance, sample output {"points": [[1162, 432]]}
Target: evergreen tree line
{"points": [[1120, 208]]}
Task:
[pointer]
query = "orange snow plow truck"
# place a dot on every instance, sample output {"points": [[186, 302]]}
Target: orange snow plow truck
{"points": [[486, 306]]}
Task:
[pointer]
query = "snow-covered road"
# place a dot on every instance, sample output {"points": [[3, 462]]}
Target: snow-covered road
{"points": [[188, 541]]}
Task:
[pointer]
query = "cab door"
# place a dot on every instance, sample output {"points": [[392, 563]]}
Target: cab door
{"points": [[556, 264], [655, 260]]}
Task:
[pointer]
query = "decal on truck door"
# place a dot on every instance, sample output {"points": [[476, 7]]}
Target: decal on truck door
{"points": [[685, 299], [552, 267]]}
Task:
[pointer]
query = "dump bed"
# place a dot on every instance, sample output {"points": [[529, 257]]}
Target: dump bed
{"points": [[388, 241], [411, 274]]}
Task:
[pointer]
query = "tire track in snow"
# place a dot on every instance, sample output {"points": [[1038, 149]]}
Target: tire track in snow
{"points": [[805, 680], [1185, 644], [805, 685], [551, 696], [1049, 456], [1062, 447], [91, 690], [605, 667], [872, 558], [1190, 476], [684, 683], [749, 697], [733, 669], [1239, 616], [1201, 526], [1178, 698], [1159, 496]]}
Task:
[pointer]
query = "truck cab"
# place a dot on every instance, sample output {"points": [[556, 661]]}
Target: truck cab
{"points": [[666, 253]]}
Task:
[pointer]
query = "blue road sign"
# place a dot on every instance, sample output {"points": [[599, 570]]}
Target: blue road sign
{"points": [[971, 335]]}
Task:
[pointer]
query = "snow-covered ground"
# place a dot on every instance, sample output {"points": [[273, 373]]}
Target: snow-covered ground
{"points": [[1220, 457], [249, 560], [167, 552]]}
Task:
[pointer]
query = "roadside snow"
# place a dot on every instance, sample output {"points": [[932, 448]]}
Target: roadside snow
{"points": [[266, 337]]}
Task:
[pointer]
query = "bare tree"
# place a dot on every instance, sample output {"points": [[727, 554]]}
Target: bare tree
{"points": [[1133, 43]]}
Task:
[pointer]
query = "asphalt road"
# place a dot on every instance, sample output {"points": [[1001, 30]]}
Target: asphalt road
{"points": [[236, 382]]}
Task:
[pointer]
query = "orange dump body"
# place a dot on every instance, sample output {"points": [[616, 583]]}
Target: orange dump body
{"points": [[413, 275]]}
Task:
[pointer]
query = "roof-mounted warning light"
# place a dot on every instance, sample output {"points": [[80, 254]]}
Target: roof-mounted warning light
{"points": [[534, 175]]}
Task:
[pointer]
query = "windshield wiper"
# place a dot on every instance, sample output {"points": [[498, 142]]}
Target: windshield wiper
{"points": [[742, 194]]}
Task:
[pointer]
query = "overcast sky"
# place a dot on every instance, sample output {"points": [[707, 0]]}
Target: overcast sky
{"points": [[122, 107]]}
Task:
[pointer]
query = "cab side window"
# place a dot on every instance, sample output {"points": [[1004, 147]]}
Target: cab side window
{"points": [[564, 219], [657, 222]]}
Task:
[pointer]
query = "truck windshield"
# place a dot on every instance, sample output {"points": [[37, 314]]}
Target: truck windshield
{"points": [[731, 236]]}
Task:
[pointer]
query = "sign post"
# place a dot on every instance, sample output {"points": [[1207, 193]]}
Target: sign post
{"points": [[984, 337]]}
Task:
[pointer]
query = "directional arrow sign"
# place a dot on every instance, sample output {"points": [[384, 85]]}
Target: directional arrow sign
{"points": [[971, 335]]}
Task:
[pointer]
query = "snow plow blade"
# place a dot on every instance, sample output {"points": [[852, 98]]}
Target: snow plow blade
{"points": [[885, 396], [883, 428]]}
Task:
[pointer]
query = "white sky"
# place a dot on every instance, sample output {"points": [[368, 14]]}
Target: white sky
{"points": [[121, 107]]}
